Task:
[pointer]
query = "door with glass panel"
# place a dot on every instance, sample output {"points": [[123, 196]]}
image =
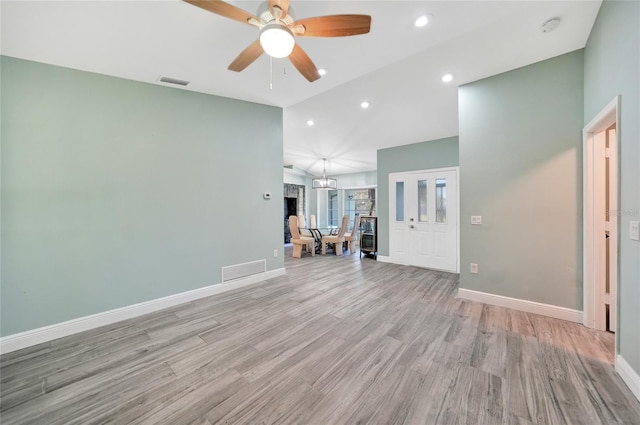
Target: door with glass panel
{"points": [[423, 219]]}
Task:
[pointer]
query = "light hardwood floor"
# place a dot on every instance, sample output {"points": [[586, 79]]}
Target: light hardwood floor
{"points": [[337, 340]]}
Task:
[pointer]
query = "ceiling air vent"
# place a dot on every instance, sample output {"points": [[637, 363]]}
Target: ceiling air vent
{"points": [[173, 81], [550, 24]]}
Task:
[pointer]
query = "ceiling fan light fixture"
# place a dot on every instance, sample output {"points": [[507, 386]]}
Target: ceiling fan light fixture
{"points": [[277, 40]]}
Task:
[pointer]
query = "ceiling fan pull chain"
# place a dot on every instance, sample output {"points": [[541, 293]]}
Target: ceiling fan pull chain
{"points": [[270, 73]]}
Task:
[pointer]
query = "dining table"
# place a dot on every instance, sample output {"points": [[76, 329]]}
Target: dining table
{"points": [[318, 232]]}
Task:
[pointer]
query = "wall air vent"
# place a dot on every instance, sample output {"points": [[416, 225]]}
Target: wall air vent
{"points": [[238, 271], [173, 81]]}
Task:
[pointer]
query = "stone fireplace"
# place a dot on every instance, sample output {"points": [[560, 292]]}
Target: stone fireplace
{"points": [[293, 205]]}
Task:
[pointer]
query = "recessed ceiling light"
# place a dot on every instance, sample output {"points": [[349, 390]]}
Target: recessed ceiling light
{"points": [[310, 123], [365, 104], [322, 71], [447, 78], [422, 21]]}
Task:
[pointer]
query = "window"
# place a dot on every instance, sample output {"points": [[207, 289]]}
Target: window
{"points": [[360, 202], [333, 208]]}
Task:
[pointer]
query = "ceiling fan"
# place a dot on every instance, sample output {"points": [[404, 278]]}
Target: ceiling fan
{"points": [[278, 30]]}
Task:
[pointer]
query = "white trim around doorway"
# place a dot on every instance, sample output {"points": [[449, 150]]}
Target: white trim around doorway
{"points": [[609, 115]]}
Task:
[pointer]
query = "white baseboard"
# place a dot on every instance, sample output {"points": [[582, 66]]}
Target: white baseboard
{"points": [[48, 333], [387, 259], [628, 375], [523, 305]]}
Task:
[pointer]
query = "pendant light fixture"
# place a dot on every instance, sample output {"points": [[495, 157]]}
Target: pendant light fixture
{"points": [[324, 182]]}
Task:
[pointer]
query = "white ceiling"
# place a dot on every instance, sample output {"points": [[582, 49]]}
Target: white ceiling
{"points": [[396, 67]]}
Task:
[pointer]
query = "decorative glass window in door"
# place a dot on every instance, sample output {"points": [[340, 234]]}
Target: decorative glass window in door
{"points": [[422, 201], [399, 201], [441, 200]]}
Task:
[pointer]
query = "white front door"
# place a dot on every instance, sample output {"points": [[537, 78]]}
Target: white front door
{"points": [[423, 219]]}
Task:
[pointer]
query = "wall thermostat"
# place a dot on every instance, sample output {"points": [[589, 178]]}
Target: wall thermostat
{"points": [[266, 195]]}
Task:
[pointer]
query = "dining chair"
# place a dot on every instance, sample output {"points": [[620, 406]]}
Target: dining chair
{"points": [[303, 226], [299, 240], [351, 236], [312, 221], [336, 240]]}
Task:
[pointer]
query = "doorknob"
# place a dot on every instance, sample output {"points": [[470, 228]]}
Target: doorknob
{"points": [[412, 226]]}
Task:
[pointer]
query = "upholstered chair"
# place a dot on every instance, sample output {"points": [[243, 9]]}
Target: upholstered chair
{"points": [[338, 239], [303, 226], [298, 240], [351, 236]]}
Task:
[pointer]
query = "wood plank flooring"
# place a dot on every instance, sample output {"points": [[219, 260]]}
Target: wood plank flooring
{"points": [[337, 340]]}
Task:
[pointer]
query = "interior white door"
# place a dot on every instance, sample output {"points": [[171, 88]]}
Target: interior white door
{"points": [[606, 227], [423, 217], [600, 218], [612, 225]]}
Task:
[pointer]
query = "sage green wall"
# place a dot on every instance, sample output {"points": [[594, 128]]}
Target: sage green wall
{"points": [[611, 68], [439, 153], [116, 192], [520, 169], [356, 180]]}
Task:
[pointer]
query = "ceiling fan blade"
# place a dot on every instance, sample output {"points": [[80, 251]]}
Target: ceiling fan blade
{"points": [[282, 4], [303, 63], [224, 9], [247, 56], [334, 25]]}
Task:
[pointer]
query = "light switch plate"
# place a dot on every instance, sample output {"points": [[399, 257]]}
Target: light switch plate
{"points": [[634, 230], [476, 219]]}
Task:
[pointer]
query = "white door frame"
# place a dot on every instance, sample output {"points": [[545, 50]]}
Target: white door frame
{"points": [[457, 195], [605, 118]]}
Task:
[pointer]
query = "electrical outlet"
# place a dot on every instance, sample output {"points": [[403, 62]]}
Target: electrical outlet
{"points": [[476, 219], [275, 252], [474, 268]]}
